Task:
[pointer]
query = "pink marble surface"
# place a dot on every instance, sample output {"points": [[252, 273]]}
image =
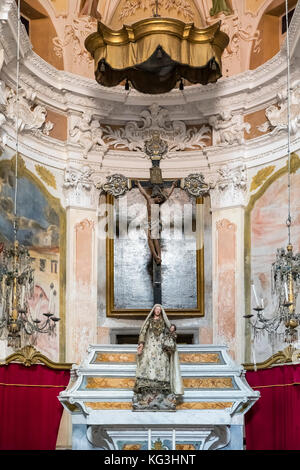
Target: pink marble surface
{"points": [[206, 335], [84, 232], [103, 335], [83, 325], [226, 266]]}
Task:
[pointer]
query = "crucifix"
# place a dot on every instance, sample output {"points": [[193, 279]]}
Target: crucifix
{"points": [[155, 148], [155, 14]]}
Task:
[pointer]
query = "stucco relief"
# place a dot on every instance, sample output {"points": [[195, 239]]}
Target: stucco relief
{"points": [[228, 187], [25, 114], [87, 132], [81, 187], [276, 114], [73, 38], [229, 129], [241, 28], [156, 118]]}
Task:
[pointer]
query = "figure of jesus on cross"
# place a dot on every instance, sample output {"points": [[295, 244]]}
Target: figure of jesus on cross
{"points": [[154, 201]]}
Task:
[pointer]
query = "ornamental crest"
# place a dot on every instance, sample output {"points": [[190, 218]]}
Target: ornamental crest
{"points": [[156, 120], [116, 185]]}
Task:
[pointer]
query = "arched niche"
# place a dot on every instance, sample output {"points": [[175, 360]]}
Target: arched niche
{"points": [[271, 33], [41, 32]]}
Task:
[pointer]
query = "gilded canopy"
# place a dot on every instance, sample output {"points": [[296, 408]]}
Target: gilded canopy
{"points": [[154, 53]]}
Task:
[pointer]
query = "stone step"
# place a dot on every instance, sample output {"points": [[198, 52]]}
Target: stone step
{"points": [[212, 380]]}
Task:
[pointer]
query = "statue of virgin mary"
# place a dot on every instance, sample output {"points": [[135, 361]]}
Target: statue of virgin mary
{"points": [[158, 384]]}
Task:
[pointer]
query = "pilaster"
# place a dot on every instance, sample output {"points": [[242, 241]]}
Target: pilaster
{"points": [[81, 198], [228, 199]]}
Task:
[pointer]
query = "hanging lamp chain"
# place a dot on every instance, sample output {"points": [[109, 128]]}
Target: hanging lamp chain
{"points": [[17, 120], [289, 220]]}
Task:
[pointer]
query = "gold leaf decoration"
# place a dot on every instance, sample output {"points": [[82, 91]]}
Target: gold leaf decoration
{"points": [[46, 176], [295, 160], [29, 356], [261, 176], [21, 164]]}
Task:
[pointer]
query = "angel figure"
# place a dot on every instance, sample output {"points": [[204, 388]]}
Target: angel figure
{"points": [[88, 133]]}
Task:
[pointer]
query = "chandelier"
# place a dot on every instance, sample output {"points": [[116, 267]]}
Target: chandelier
{"points": [[17, 323], [154, 54], [285, 271], [16, 289]]}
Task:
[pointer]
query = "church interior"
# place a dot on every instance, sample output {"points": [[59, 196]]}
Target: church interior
{"points": [[149, 155]]}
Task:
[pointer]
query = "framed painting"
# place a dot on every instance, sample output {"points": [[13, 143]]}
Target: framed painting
{"points": [[129, 264]]}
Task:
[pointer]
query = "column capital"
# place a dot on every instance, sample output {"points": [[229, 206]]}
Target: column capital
{"points": [[229, 188], [82, 187]]}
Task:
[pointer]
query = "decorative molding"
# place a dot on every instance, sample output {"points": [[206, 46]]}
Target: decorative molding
{"points": [[218, 438], [276, 114], [229, 188], [195, 185], [30, 117], [29, 356], [98, 436], [156, 119], [286, 356], [87, 132], [116, 185], [79, 187], [229, 129]]}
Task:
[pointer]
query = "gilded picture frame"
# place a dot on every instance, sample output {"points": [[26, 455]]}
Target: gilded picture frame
{"points": [[113, 311]]}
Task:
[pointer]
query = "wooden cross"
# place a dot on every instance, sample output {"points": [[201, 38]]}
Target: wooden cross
{"points": [[155, 15], [155, 148]]}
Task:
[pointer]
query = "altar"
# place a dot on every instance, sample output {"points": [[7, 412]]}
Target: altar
{"points": [[209, 417]]}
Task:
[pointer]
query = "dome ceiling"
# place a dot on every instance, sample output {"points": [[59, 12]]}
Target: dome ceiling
{"points": [[58, 30]]}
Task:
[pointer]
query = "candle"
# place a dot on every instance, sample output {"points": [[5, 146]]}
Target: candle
{"points": [[262, 302], [286, 292], [255, 295]]}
